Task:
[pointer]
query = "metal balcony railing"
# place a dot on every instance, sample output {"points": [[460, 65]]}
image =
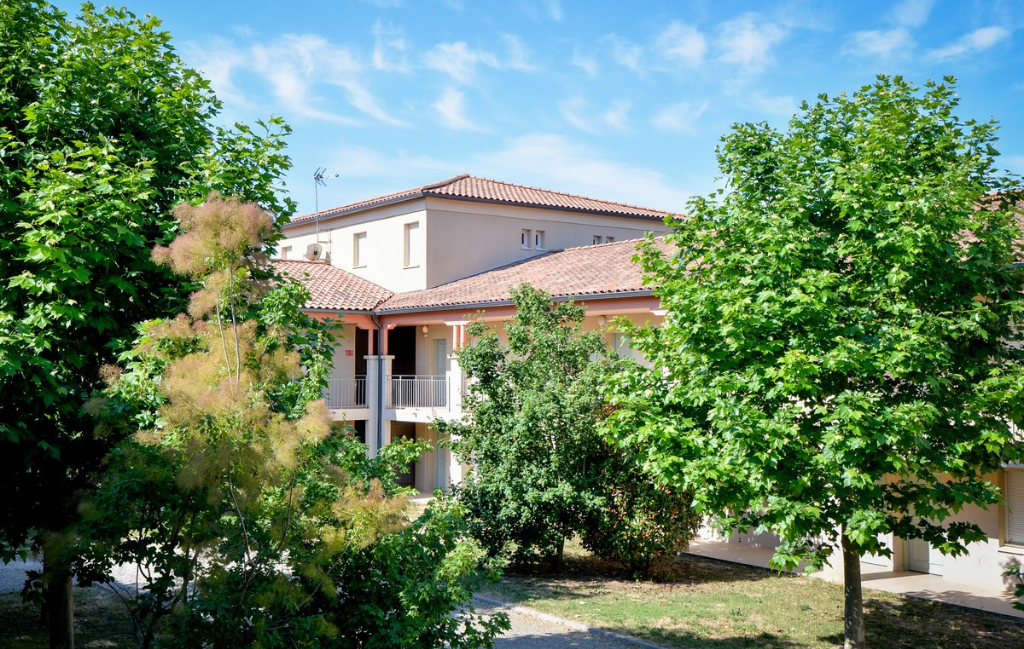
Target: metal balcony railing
{"points": [[346, 393], [418, 392]]}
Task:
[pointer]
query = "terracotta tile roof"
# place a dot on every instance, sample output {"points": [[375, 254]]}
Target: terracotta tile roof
{"points": [[603, 269], [470, 188], [333, 288]]}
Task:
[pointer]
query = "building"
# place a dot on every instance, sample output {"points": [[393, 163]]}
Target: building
{"points": [[404, 273]]}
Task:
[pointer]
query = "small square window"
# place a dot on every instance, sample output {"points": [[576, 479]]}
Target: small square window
{"points": [[524, 239], [285, 252], [598, 239], [538, 239], [609, 239]]}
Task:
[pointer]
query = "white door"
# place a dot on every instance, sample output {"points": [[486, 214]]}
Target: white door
{"points": [[922, 557]]}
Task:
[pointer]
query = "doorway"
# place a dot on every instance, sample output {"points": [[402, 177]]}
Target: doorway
{"points": [[405, 430], [922, 557]]}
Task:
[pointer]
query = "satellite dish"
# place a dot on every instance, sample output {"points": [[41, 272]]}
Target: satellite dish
{"points": [[313, 251]]}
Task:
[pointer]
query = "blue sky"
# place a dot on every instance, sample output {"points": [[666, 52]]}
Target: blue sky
{"points": [[614, 100]]}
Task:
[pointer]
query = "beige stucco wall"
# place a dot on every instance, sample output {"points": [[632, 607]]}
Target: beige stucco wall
{"points": [[467, 238]]}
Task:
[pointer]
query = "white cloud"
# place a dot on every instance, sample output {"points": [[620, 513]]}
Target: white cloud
{"points": [[912, 13], [576, 112], [682, 43], [876, 43], [451, 108], [364, 162], [299, 68], [626, 53], [554, 8], [680, 117], [553, 161], [749, 44], [976, 41], [384, 4], [587, 63], [458, 60], [617, 112], [517, 53], [389, 47]]}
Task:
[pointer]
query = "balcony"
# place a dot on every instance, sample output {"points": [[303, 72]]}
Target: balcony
{"points": [[416, 391], [346, 393]]}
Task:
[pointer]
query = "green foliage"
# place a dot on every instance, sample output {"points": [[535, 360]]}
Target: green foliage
{"points": [[102, 130], [640, 520], [253, 521], [1015, 572], [540, 469], [838, 351]]}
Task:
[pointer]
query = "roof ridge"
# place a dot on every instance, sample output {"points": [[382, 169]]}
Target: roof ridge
{"points": [[442, 183], [606, 243], [567, 194]]}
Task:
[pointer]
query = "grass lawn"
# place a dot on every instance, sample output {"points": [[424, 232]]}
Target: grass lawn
{"points": [[100, 621], [703, 603]]}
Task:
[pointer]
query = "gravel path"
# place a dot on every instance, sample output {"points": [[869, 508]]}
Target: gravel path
{"points": [[534, 629], [530, 629]]}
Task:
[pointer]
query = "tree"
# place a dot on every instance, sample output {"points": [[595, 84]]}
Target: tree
{"points": [[252, 521], [837, 359], [102, 130], [541, 471]]}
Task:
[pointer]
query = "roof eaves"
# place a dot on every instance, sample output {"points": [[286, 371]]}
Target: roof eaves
{"points": [[356, 208], [540, 206], [493, 303]]}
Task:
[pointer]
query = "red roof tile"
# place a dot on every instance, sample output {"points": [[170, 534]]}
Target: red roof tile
{"points": [[470, 188], [332, 288], [585, 271]]}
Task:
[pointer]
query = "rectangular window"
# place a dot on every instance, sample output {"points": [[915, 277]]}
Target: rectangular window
{"points": [[285, 251], [358, 250], [1014, 493], [598, 239], [524, 239], [413, 245], [538, 239], [609, 239]]}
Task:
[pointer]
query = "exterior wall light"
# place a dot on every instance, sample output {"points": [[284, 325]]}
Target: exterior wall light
{"points": [[425, 330]]}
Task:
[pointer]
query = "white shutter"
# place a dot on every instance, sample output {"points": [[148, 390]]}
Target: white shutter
{"points": [[1015, 506]]}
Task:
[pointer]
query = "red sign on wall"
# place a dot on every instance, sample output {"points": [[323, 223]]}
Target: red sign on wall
{"points": [[349, 352]]}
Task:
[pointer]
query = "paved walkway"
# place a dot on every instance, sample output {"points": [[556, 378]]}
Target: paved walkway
{"points": [[911, 584]]}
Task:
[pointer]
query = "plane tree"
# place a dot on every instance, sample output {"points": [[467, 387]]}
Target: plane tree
{"points": [[837, 362]]}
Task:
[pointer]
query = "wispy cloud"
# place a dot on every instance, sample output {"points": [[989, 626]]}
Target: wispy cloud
{"points": [[877, 43], [577, 112], [517, 54], [977, 41], [383, 4], [554, 9], [625, 52], [458, 60], [389, 47], [782, 105], [749, 44], [912, 13], [682, 43], [554, 161], [587, 63], [680, 117], [451, 108]]}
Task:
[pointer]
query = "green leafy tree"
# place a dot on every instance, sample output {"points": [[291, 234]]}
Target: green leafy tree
{"points": [[102, 130], [252, 522], [837, 362], [541, 471]]}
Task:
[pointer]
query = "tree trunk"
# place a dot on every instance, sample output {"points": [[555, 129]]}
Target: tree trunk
{"points": [[853, 614], [57, 594], [560, 555]]}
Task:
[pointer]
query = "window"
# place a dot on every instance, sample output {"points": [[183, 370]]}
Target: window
{"points": [[413, 245], [598, 239], [285, 251], [609, 239], [524, 239], [1014, 493], [538, 239], [358, 250]]}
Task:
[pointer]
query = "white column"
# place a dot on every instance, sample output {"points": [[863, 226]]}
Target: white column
{"points": [[377, 401]]}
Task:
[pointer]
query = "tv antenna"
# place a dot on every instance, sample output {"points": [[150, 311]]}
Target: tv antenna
{"points": [[318, 181]]}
